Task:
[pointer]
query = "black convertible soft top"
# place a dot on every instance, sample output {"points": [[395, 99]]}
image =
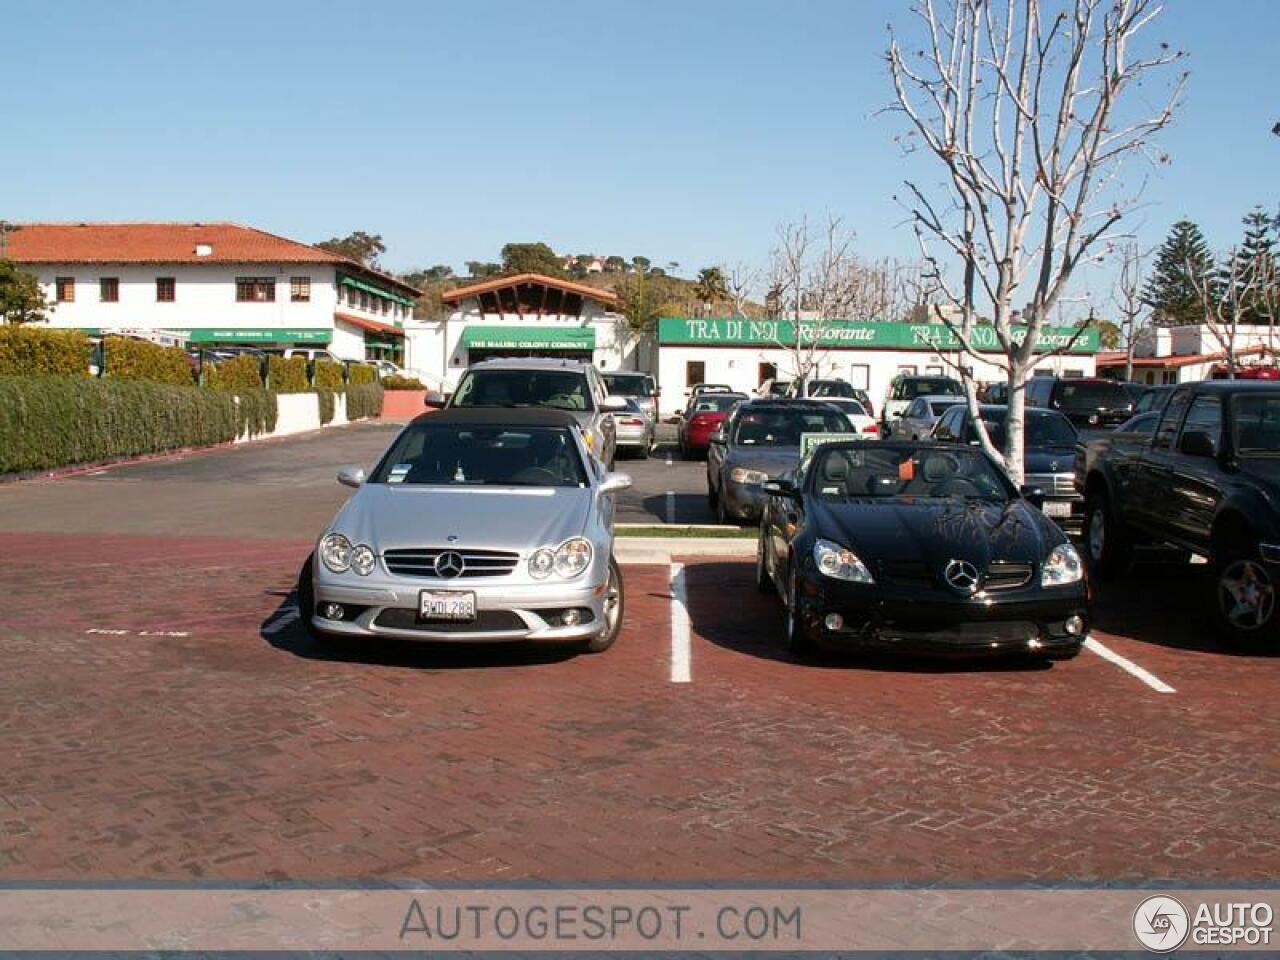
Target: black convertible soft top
{"points": [[498, 417]]}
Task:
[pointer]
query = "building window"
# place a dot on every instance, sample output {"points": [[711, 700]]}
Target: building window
{"points": [[907, 369], [109, 289], [255, 290], [300, 289], [65, 288], [166, 290], [695, 371], [766, 371]]}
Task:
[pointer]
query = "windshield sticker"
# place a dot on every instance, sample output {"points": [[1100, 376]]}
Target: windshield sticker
{"points": [[811, 441]]}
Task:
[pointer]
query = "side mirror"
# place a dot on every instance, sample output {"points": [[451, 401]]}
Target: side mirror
{"points": [[351, 476], [614, 404], [780, 488], [613, 482], [1197, 443], [719, 438], [1033, 495], [433, 400]]}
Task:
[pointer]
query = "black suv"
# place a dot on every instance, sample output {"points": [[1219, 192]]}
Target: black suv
{"points": [[1088, 402], [1208, 482]]}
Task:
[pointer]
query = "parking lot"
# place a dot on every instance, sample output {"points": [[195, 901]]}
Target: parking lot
{"points": [[166, 718]]}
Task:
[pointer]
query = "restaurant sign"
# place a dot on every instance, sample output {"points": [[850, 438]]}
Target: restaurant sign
{"points": [[851, 335]]}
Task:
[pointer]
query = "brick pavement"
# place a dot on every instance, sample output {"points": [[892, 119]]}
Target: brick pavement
{"points": [[158, 722]]}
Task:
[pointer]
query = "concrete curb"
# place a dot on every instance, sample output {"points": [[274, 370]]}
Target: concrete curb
{"points": [[662, 549]]}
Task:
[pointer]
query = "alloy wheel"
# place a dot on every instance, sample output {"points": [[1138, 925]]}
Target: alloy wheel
{"points": [[1097, 534], [1246, 595]]}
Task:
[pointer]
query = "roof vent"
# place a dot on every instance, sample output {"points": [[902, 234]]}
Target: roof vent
{"points": [[204, 250]]}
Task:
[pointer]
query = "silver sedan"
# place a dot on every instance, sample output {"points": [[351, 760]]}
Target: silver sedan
{"points": [[476, 525], [917, 420]]}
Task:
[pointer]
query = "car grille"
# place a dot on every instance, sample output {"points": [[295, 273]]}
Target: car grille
{"points": [[1006, 576], [398, 618], [475, 563], [906, 573], [1054, 484], [999, 576]]}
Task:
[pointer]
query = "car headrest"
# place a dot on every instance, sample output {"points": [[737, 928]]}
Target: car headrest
{"points": [[936, 469], [836, 469]]}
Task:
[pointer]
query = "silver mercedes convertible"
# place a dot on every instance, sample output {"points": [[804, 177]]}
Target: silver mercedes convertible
{"points": [[476, 525]]}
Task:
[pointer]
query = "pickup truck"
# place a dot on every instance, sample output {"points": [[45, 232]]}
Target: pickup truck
{"points": [[1207, 481]]}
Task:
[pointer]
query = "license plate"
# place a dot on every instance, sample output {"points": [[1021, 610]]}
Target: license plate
{"points": [[1057, 508], [453, 605]]}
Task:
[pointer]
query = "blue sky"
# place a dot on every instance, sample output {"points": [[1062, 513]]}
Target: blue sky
{"points": [[681, 131]]}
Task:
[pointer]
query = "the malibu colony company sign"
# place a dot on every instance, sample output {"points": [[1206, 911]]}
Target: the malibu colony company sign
{"points": [[850, 335]]}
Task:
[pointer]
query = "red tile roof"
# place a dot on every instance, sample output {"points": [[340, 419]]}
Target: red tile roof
{"points": [[499, 283], [32, 243], [371, 325], [1116, 357]]}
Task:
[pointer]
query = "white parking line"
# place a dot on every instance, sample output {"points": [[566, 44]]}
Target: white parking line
{"points": [[668, 458], [681, 652], [1128, 666]]}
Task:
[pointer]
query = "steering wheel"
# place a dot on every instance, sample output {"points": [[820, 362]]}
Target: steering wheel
{"points": [[536, 475]]}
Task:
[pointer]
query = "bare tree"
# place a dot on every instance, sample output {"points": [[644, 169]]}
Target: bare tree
{"points": [[1133, 312], [1226, 295], [1021, 107], [740, 280]]}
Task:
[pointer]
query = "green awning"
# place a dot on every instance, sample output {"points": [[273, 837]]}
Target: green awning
{"points": [[236, 334], [368, 287], [480, 337]]}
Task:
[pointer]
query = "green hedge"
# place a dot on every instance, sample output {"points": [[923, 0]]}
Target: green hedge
{"points": [[256, 412], [235, 374], [364, 400], [27, 351], [396, 382], [50, 422], [362, 373], [328, 375], [288, 375], [327, 405], [129, 359]]}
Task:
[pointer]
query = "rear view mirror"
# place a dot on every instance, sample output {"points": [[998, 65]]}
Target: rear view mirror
{"points": [[351, 476], [614, 482], [779, 488]]}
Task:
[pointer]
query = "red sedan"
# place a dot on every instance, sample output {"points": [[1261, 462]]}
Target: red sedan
{"points": [[705, 415]]}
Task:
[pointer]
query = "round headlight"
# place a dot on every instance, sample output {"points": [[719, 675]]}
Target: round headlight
{"points": [[363, 560], [840, 562], [572, 557], [335, 552], [1062, 566], [541, 563]]}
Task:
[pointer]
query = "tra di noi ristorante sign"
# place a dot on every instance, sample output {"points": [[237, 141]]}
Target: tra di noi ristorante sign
{"points": [[849, 335]]}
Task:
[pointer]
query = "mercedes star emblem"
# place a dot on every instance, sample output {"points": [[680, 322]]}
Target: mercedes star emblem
{"points": [[961, 575], [449, 564]]}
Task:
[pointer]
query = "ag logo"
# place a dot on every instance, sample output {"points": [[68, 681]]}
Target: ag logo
{"points": [[1161, 924]]}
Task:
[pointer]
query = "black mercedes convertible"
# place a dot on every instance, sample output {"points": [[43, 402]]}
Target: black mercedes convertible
{"points": [[922, 547]]}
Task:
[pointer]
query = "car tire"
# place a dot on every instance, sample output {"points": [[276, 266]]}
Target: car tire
{"points": [[305, 595], [1106, 541], [713, 498], [722, 514], [798, 641], [764, 581], [1245, 596], [614, 606]]}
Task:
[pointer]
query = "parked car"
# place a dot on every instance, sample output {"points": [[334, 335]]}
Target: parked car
{"points": [[1048, 453], [1207, 482], [634, 429], [1132, 434], [820, 388], [759, 441], [480, 524], [701, 388], [1153, 399], [905, 387], [997, 392], [704, 415], [1089, 402], [773, 389], [918, 547], [858, 415], [917, 420], [311, 355], [556, 384], [630, 383]]}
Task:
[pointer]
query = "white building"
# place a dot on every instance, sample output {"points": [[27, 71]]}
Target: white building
{"points": [[527, 315], [215, 283], [743, 353], [1194, 352]]}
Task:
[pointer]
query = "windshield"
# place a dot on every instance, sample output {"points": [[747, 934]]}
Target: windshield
{"points": [[1041, 430], [831, 388], [852, 408], [939, 407], [482, 456], [716, 402], [881, 470], [782, 428], [561, 389], [1257, 423], [920, 387], [628, 384], [1090, 395]]}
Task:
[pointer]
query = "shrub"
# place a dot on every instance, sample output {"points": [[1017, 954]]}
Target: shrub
{"points": [[362, 373], [397, 382], [256, 412], [30, 352], [328, 375], [288, 374], [235, 374], [364, 400], [129, 359], [327, 405], [55, 421]]}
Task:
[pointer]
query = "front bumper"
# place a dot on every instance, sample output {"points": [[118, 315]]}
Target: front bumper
{"points": [[1029, 620], [743, 501], [505, 612]]}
